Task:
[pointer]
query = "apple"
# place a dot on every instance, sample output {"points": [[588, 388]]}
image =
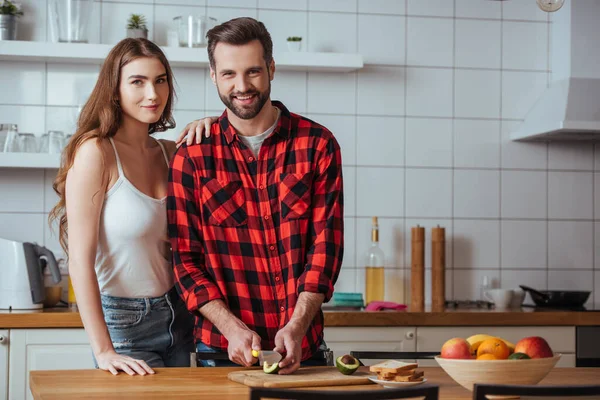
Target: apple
{"points": [[534, 347], [457, 348]]}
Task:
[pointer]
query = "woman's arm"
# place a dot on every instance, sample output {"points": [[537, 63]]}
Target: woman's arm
{"points": [[85, 191]]}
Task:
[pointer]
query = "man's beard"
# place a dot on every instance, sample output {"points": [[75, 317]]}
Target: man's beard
{"points": [[250, 111]]}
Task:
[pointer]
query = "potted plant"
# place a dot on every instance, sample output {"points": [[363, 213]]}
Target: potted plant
{"points": [[136, 26], [9, 12], [294, 43]]}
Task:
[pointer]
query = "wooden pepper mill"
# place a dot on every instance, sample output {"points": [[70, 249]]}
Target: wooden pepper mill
{"points": [[438, 269], [417, 269]]}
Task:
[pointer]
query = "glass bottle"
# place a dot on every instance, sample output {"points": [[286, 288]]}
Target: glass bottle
{"points": [[374, 272]]}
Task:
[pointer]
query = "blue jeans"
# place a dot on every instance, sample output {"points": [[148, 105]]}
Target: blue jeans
{"points": [[202, 348], [158, 330]]}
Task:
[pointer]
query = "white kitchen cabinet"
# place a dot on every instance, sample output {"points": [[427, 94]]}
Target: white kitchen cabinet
{"points": [[560, 338], [343, 340], [3, 364], [44, 349]]}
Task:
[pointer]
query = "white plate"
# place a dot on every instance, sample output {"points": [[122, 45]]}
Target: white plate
{"points": [[393, 384]]}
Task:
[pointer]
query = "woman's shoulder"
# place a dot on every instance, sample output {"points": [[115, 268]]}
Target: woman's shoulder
{"points": [[94, 151]]}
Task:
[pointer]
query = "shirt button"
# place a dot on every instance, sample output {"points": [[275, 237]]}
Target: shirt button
{"points": [[250, 159], [266, 217], [271, 247], [277, 278], [282, 308], [261, 187]]}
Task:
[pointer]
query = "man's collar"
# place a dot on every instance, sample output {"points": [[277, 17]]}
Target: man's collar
{"points": [[283, 127]]}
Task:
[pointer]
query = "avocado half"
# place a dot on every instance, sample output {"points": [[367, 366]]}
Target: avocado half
{"points": [[347, 364], [270, 369]]}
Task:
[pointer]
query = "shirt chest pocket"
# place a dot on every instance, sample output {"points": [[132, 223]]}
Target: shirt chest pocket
{"points": [[223, 203], [295, 195]]}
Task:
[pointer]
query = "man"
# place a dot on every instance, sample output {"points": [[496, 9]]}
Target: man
{"points": [[256, 212]]}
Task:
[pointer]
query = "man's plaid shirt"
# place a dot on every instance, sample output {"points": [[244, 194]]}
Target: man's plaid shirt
{"points": [[256, 233]]}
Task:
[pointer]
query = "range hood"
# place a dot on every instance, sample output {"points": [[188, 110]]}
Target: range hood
{"points": [[569, 109]]}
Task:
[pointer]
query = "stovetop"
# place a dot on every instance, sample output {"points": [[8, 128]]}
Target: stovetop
{"points": [[481, 304]]}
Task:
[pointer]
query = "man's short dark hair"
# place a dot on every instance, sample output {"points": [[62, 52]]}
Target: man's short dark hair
{"points": [[240, 31]]}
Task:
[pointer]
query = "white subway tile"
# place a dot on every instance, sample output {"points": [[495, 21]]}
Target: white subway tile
{"points": [[381, 91], [448, 293], [114, 20], [289, 87], [233, 3], [50, 196], [524, 244], [331, 93], [576, 156], [387, 7], [428, 142], [189, 88], [391, 240], [476, 193], [428, 193], [478, 9], [164, 14], [349, 260], [476, 143], [571, 195], [467, 283], [380, 191], [51, 237], [476, 244], [430, 42], [381, 39], [350, 192], [428, 224], [520, 90], [429, 92], [22, 227], [22, 190], [478, 43], [433, 8], [282, 24], [570, 245], [521, 154], [525, 45], [343, 128], [346, 282], [333, 5], [283, 4], [524, 194], [523, 10], [213, 101], [70, 84], [28, 118], [330, 32], [22, 82], [380, 141], [477, 94]]}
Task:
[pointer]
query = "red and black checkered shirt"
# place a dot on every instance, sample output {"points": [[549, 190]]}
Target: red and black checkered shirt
{"points": [[257, 232]]}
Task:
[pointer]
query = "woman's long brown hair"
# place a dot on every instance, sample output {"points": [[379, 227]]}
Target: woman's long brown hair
{"points": [[101, 116]]}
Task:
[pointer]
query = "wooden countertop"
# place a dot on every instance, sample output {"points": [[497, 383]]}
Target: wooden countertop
{"points": [[64, 318], [212, 383]]}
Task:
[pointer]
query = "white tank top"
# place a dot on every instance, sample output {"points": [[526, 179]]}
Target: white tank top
{"points": [[133, 242]]}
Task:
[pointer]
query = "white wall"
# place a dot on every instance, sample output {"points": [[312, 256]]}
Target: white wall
{"points": [[423, 128]]}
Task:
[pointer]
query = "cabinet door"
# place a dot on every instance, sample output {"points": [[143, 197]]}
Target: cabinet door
{"points": [[3, 364], [45, 349], [343, 340]]}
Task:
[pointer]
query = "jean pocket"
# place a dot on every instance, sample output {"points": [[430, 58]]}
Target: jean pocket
{"points": [[224, 202], [116, 318], [295, 195]]}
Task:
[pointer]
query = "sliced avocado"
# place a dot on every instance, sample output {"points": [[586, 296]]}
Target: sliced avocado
{"points": [[270, 369], [347, 364], [519, 356]]}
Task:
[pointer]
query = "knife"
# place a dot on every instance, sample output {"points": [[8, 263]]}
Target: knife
{"points": [[271, 357]]}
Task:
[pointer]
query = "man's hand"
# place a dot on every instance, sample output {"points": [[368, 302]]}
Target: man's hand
{"points": [[289, 340], [241, 344]]}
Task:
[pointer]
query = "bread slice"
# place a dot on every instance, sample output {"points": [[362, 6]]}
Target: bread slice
{"points": [[385, 375], [392, 366], [417, 376]]}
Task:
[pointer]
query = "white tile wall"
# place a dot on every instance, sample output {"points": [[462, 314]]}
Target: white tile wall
{"points": [[424, 130]]}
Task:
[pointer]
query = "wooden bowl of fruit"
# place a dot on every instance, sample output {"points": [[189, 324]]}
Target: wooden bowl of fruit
{"points": [[493, 360]]}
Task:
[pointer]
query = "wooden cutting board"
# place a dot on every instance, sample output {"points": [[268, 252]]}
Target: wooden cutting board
{"points": [[304, 377]]}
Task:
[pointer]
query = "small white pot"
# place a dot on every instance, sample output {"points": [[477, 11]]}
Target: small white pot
{"points": [[294, 46], [137, 33]]}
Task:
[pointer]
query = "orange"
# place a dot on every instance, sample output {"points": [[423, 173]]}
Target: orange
{"points": [[487, 356], [494, 346]]}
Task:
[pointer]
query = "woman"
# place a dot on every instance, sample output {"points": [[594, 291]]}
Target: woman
{"points": [[113, 186]]}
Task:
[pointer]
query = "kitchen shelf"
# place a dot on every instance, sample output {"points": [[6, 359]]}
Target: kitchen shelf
{"points": [[29, 160], [88, 53]]}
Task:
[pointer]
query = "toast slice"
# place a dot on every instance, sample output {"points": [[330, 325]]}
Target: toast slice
{"points": [[417, 376], [387, 375], [392, 367]]}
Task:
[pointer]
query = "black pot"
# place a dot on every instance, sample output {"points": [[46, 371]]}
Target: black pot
{"points": [[557, 298]]}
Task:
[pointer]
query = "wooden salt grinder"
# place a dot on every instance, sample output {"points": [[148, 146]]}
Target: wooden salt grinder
{"points": [[417, 269]]}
